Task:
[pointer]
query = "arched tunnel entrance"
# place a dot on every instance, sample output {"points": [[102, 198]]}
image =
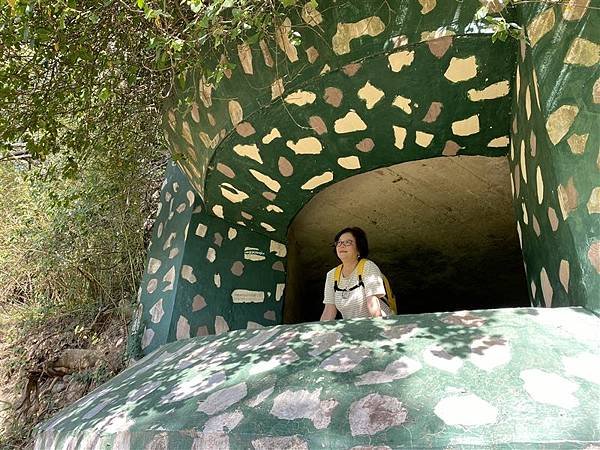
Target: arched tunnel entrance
{"points": [[441, 229]]}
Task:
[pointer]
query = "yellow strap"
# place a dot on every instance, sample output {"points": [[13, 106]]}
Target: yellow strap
{"points": [[360, 267], [338, 273]]}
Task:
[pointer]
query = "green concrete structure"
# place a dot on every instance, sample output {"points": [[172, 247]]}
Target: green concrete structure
{"points": [[370, 85], [506, 379]]}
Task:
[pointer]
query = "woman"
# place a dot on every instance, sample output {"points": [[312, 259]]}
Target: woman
{"points": [[351, 297]]}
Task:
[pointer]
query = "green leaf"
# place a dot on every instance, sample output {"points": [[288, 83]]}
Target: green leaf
{"points": [[140, 4], [104, 94]]}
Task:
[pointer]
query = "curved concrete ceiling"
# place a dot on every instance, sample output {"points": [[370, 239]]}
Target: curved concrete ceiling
{"points": [[441, 229]]}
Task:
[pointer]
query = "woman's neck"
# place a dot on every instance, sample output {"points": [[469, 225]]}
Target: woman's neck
{"points": [[348, 267]]}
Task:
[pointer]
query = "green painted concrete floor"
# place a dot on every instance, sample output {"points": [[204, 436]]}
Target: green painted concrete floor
{"points": [[510, 378]]}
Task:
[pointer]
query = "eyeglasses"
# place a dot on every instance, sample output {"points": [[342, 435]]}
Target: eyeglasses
{"points": [[347, 243]]}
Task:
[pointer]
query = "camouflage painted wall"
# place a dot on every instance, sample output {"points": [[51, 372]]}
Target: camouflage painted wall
{"points": [[554, 156], [369, 86]]}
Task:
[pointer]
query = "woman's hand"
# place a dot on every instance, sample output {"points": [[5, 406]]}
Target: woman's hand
{"points": [[373, 306], [329, 312]]}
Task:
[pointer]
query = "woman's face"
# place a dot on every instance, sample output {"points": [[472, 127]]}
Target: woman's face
{"points": [[346, 248]]}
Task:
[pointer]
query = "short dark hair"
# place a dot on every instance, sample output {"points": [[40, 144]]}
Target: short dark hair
{"points": [[360, 237]]}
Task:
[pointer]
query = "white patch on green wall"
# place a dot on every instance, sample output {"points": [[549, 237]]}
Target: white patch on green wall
{"points": [[247, 296], [231, 233], [253, 254], [211, 254], [153, 265], [279, 291], [201, 230], [278, 248]]}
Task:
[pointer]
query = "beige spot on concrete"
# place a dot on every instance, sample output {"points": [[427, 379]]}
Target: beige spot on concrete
{"points": [[317, 181], [247, 296], [245, 55], [273, 134], [596, 92], [264, 48], [466, 127], [186, 133], [461, 69], [577, 143], [351, 69], [218, 211], [525, 214], [317, 124], [147, 338], [346, 32], [312, 54], [169, 240], [267, 227], [285, 167], [594, 255], [325, 69], [282, 37], [427, 6], [195, 113], [271, 196], [235, 112], [593, 204], [536, 225], [370, 94], [399, 41], [399, 136], [231, 233], [439, 47], [277, 88], [205, 89], [198, 303], [583, 52], [208, 141], [400, 60], [225, 170], [451, 148], [237, 268], [169, 278], [279, 291], [217, 281], [547, 290], [221, 325], [333, 96], [278, 248], [183, 329], [202, 331], [563, 274], [245, 129], [233, 194], [523, 162], [305, 146], [533, 143], [465, 410], [499, 142], [211, 120], [574, 9], [266, 180], [349, 162], [278, 266], [201, 230], [365, 145], [187, 273], [528, 102], [153, 265], [433, 112], [181, 208], [249, 151], [567, 198], [423, 139], [301, 98], [190, 197], [496, 90], [310, 15], [540, 25], [157, 312], [539, 181], [403, 103], [173, 253], [553, 219], [349, 123], [151, 286], [274, 208], [374, 414]]}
